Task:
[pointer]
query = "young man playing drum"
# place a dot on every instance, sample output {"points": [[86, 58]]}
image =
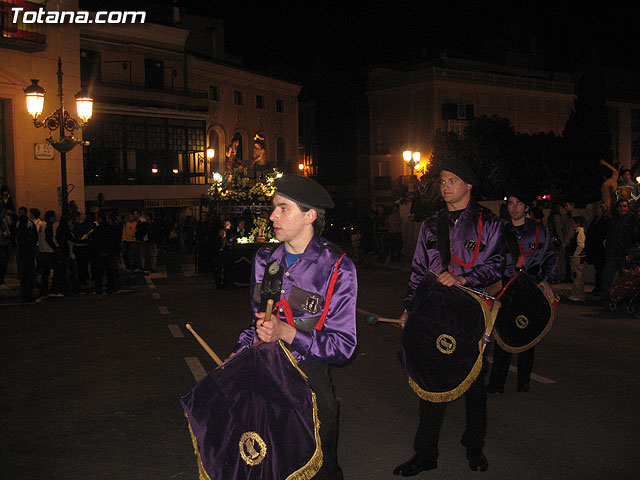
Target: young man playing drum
{"points": [[471, 237], [529, 248], [314, 287]]}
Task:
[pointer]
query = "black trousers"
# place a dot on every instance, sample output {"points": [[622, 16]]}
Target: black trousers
{"points": [[425, 443], [501, 360], [27, 264], [320, 383]]}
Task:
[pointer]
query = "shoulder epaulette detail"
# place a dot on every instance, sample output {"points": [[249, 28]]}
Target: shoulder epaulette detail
{"points": [[333, 247]]}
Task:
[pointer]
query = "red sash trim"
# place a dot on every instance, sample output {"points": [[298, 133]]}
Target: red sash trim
{"points": [[284, 303], [476, 251], [523, 254]]}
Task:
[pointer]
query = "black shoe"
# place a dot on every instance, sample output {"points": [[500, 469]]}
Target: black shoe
{"points": [[491, 390], [523, 388], [477, 462], [414, 466]]}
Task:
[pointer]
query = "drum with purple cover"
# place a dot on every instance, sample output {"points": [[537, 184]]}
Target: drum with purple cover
{"points": [[443, 339], [526, 315], [255, 417]]}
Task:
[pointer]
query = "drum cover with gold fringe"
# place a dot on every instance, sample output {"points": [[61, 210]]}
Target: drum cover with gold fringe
{"points": [[255, 417], [525, 317], [441, 343]]}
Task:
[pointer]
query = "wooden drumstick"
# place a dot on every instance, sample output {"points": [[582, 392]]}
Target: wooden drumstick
{"points": [[207, 348], [372, 319], [267, 312]]}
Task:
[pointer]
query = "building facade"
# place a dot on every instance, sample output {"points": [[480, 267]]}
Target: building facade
{"points": [[163, 92], [408, 105], [162, 101], [30, 168]]}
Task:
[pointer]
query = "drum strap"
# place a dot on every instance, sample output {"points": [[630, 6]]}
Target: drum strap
{"points": [[444, 247], [284, 303], [517, 250]]}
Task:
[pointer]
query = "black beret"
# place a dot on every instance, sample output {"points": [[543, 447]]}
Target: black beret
{"points": [[304, 191], [461, 169], [521, 193]]}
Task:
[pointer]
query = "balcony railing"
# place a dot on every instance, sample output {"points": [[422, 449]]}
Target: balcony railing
{"points": [[16, 34]]}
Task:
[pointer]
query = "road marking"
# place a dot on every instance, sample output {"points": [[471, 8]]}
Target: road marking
{"points": [[197, 370], [534, 376], [149, 281], [175, 331], [156, 295], [163, 310]]}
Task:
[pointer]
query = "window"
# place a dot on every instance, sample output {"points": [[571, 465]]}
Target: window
{"points": [[281, 152], [280, 106], [214, 93], [238, 98], [260, 102], [90, 66], [153, 73]]}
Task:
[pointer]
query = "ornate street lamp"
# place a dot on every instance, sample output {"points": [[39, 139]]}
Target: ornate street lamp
{"points": [[62, 121], [412, 159]]}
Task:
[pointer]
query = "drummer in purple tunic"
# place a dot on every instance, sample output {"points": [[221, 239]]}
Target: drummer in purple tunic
{"points": [[314, 288], [471, 236], [528, 246]]}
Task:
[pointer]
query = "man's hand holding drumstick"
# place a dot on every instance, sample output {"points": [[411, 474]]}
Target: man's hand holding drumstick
{"points": [[271, 329]]}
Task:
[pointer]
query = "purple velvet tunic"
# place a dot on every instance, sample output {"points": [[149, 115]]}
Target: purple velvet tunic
{"points": [[308, 277], [541, 264], [463, 237]]}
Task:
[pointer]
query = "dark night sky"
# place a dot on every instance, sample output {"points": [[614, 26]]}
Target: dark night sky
{"points": [[351, 34]]}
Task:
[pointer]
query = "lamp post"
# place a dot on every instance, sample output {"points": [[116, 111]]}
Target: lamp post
{"points": [[62, 121], [412, 159]]}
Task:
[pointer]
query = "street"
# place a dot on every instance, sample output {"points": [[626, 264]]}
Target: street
{"points": [[92, 386]]}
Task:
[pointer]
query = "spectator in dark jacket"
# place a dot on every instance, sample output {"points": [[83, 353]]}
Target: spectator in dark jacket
{"points": [[106, 248], [594, 245], [623, 232], [27, 240]]}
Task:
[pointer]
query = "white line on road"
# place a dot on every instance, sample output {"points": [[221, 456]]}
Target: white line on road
{"points": [[175, 331], [534, 376], [197, 370], [163, 310], [156, 296]]}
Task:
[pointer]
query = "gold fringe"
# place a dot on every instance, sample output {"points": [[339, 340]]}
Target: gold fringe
{"points": [[314, 464], [534, 342], [202, 475], [449, 396]]}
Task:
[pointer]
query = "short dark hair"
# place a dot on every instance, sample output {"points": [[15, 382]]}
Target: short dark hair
{"points": [[578, 220], [49, 214], [35, 212], [625, 170], [318, 223]]}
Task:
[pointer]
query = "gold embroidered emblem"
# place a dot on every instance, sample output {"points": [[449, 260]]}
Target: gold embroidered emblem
{"points": [[446, 344], [252, 448], [522, 322]]}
